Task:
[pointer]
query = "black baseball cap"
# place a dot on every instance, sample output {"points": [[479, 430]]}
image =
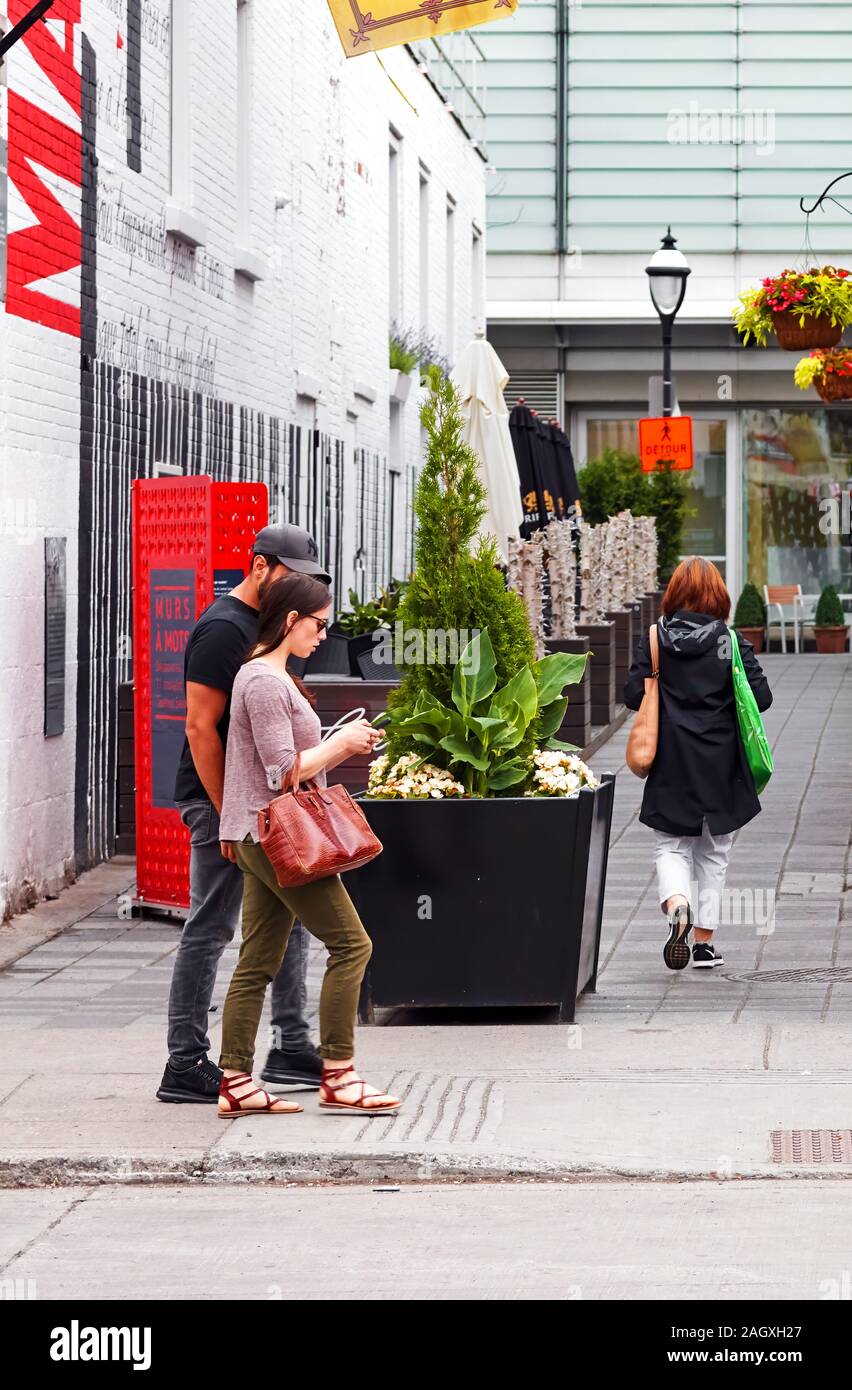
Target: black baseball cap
{"points": [[293, 546]]}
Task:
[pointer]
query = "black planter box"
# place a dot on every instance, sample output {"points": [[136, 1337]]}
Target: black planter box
{"points": [[576, 727], [624, 639], [487, 903], [655, 605], [340, 655], [601, 670]]}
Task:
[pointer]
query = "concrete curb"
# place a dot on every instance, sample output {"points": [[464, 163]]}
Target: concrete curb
{"points": [[421, 1166]]}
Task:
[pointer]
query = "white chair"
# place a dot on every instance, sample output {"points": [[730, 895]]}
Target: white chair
{"points": [[776, 596]]}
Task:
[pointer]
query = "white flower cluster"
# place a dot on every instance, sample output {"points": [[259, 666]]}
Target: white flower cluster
{"points": [[560, 774], [403, 781]]}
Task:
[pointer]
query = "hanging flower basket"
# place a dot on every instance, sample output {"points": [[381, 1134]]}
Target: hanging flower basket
{"points": [[793, 335], [803, 309], [830, 372]]}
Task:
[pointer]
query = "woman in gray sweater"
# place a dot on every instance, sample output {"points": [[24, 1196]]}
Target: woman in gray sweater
{"points": [[272, 720]]}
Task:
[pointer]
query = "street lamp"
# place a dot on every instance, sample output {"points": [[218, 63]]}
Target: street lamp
{"points": [[667, 272]]}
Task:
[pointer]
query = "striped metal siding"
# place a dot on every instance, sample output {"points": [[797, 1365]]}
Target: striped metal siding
{"points": [[716, 117], [540, 391], [522, 128], [720, 115]]}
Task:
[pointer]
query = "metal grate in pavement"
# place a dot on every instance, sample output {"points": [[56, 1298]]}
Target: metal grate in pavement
{"points": [[811, 1145], [819, 975]]}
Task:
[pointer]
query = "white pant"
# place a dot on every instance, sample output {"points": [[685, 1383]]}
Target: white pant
{"points": [[694, 866]]}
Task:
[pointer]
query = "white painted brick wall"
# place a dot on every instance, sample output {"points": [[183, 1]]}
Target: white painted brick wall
{"points": [[320, 129]]}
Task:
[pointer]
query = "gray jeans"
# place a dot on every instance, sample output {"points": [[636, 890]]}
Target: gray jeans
{"points": [[216, 895]]}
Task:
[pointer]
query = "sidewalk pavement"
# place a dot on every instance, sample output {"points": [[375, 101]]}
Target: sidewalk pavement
{"points": [[664, 1076]]}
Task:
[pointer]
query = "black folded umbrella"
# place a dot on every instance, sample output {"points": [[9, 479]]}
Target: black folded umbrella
{"points": [[525, 441], [565, 467]]}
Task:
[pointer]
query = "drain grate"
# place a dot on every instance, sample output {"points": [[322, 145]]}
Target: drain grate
{"points": [[811, 1145], [821, 975]]}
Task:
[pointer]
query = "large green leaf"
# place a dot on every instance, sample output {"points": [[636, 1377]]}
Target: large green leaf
{"points": [[551, 717], [463, 753], [552, 673], [485, 727], [512, 734], [519, 691], [508, 774], [556, 746], [475, 675]]}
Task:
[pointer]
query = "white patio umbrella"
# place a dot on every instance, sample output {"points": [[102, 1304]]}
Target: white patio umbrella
{"points": [[480, 378]]}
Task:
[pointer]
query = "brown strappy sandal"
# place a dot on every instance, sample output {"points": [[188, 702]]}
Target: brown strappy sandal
{"points": [[357, 1105], [236, 1107]]}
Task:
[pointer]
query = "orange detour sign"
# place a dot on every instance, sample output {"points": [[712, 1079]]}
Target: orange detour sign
{"points": [[667, 440]]}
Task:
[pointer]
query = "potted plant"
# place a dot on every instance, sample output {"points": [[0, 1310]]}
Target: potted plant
{"points": [[829, 622], [362, 621], [489, 891], [403, 357], [829, 371], [750, 616], [804, 309]]}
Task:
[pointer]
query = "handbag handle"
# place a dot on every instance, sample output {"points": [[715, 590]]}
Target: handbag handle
{"points": [[294, 776], [655, 651], [293, 781]]}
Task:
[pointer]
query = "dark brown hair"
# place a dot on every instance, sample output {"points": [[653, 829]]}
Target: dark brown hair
{"points": [[301, 592], [697, 586]]}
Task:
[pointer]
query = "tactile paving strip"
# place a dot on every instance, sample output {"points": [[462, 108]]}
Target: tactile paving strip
{"points": [[811, 1145]]}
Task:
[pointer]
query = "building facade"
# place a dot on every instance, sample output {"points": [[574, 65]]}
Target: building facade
{"points": [[213, 219], [606, 122]]}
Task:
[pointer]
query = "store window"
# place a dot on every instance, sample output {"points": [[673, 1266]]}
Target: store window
{"points": [[793, 461], [704, 532]]}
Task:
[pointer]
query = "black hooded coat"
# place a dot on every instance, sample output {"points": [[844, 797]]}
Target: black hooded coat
{"points": [[700, 769]]}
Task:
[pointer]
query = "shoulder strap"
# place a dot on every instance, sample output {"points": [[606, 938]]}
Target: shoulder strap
{"points": [[655, 650]]}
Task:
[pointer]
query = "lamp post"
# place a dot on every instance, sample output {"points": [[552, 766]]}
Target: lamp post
{"points": [[667, 272]]}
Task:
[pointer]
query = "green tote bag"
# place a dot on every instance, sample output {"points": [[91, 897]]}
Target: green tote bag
{"points": [[757, 750]]}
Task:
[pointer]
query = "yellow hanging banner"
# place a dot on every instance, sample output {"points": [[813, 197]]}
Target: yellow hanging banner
{"points": [[367, 25]]}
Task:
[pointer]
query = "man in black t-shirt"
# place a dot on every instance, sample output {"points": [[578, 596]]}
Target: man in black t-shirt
{"points": [[217, 647]]}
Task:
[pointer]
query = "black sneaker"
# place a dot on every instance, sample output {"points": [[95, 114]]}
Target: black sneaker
{"points": [[198, 1084], [705, 956], [676, 949], [302, 1068]]}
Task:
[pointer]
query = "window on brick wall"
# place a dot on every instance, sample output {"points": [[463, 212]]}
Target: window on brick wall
{"points": [[244, 142], [477, 270], [394, 227], [424, 248], [181, 104]]}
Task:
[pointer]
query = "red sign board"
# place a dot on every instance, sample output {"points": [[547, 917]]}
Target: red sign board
{"points": [[192, 541], [666, 440]]}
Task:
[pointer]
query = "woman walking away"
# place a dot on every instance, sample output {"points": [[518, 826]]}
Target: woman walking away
{"points": [[273, 721], [700, 789]]}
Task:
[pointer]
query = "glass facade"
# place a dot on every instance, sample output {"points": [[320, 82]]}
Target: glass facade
{"points": [[793, 461]]}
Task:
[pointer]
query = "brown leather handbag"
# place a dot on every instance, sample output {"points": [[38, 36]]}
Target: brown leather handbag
{"points": [[314, 832], [642, 743]]}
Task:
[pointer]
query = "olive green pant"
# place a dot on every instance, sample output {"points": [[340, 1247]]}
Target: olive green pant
{"points": [[327, 910]]}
